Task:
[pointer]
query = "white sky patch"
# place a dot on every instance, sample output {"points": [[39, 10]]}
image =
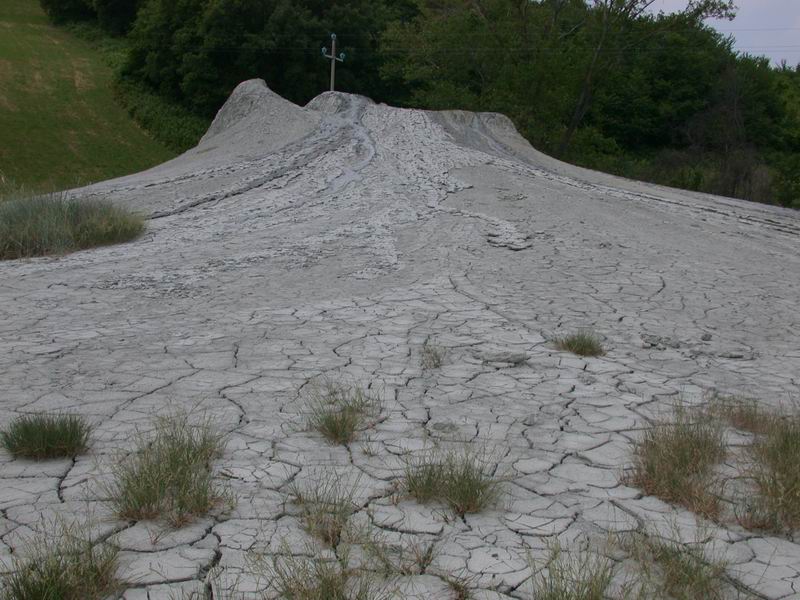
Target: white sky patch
{"points": [[762, 27]]}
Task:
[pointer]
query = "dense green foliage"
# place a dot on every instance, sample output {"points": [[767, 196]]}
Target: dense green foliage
{"points": [[61, 11], [609, 86], [602, 83], [169, 122], [197, 51]]}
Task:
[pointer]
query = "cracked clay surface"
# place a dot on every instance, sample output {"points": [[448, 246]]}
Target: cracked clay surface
{"points": [[335, 240]]}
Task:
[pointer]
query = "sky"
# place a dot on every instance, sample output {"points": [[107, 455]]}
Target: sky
{"points": [[762, 27]]}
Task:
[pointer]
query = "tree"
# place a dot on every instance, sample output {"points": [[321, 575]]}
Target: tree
{"points": [[196, 51], [62, 11], [116, 16]]}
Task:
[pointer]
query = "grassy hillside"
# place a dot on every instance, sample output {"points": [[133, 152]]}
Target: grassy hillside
{"points": [[59, 123]]}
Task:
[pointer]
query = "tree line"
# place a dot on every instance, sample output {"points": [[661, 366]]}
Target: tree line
{"points": [[606, 84]]}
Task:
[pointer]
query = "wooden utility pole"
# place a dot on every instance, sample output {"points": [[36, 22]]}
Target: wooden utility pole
{"points": [[333, 58]]}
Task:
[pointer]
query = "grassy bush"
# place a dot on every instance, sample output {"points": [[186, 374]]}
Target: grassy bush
{"points": [[325, 507], [676, 571], [583, 343], [572, 576], [461, 480], [43, 436], [674, 461], [169, 475], [432, 356], [302, 578], [394, 559], [54, 224], [775, 454], [744, 414], [64, 566], [338, 410], [776, 472]]}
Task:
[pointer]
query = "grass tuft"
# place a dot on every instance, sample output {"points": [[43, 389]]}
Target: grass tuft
{"points": [[461, 480], [583, 343], [399, 559], [572, 576], [42, 436], [64, 566], [432, 356], [55, 224], [776, 472], [169, 474], [745, 414], [674, 461], [313, 578], [326, 507], [677, 571], [459, 586], [774, 454], [338, 411]]}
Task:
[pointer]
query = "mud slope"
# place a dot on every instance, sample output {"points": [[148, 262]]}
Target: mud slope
{"points": [[336, 239]]}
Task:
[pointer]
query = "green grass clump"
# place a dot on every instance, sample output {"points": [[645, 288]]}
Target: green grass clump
{"points": [[677, 571], [572, 576], [42, 436], [583, 343], [460, 480], [54, 224], [432, 356], [63, 566], [776, 471], [301, 578], [397, 559], [326, 507], [169, 474], [674, 461], [338, 411], [745, 414]]}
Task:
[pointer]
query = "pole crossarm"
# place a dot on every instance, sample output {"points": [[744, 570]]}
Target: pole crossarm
{"points": [[333, 58]]}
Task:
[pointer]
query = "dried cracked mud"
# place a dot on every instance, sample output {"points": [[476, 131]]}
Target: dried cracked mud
{"points": [[336, 240]]}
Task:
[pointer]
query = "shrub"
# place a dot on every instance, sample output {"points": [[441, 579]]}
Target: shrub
{"points": [[461, 480], [61, 11], [677, 571], [584, 343], [572, 576], [64, 566], [399, 559], [55, 224], [116, 16], [744, 414], [167, 121], [432, 356], [302, 578], [43, 436], [169, 474], [338, 410], [326, 507], [674, 461], [776, 472]]}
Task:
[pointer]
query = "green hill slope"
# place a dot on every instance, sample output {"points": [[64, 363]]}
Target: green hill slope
{"points": [[59, 123]]}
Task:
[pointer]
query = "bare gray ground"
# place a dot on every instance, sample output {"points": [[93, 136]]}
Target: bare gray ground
{"points": [[337, 239]]}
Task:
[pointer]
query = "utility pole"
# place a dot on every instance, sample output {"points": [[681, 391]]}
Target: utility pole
{"points": [[333, 58]]}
